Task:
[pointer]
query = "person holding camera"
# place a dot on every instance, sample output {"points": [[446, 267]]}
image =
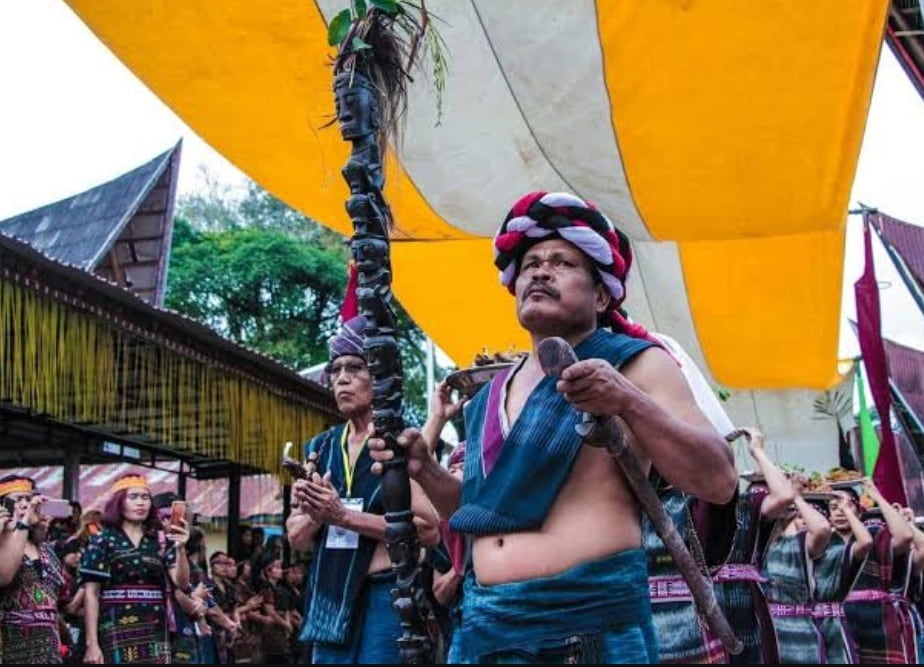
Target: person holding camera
{"points": [[31, 576], [129, 569]]}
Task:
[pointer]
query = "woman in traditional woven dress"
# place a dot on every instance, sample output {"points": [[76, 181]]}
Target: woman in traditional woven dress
{"points": [[836, 571], [877, 608], [30, 578], [790, 581], [129, 569], [738, 582]]}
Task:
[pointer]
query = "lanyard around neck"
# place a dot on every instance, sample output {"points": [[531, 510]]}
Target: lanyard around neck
{"points": [[348, 469]]}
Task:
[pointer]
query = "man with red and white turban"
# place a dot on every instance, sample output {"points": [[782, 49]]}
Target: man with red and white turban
{"points": [[539, 216], [557, 572]]}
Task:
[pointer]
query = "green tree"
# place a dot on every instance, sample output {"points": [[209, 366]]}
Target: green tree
{"points": [[259, 287], [269, 278]]}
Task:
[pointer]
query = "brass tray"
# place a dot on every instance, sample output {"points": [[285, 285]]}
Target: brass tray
{"points": [[845, 483], [818, 495], [468, 381]]}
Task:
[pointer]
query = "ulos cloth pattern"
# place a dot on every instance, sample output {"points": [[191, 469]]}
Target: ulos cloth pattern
{"points": [[132, 610], [28, 611]]}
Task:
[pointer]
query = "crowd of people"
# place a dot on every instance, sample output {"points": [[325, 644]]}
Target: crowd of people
{"points": [[533, 546], [133, 584]]}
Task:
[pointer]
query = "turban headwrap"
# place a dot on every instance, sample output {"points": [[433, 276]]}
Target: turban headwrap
{"points": [[540, 215], [350, 339]]}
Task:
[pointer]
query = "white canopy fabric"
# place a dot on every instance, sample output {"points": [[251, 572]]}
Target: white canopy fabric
{"points": [[722, 137]]}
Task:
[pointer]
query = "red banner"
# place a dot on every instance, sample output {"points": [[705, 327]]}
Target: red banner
{"points": [[350, 307]]}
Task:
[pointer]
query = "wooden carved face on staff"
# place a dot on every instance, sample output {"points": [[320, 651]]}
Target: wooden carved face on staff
{"points": [[356, 106]]}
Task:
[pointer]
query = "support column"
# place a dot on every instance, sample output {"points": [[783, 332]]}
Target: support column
{"points": [[181, 482], [234, 511], [71, 484], [286, 509]]}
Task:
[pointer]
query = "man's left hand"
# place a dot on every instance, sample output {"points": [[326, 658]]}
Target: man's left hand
{"points": [[595, 387], [323, 501]]}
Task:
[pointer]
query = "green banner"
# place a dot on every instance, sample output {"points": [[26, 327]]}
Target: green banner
{"points": [[867, 431]]}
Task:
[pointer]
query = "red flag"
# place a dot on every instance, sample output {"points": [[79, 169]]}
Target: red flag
{"points": [[350, 307], [887, 474]]}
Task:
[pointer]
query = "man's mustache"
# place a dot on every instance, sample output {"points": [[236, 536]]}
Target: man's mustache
{"points": [[543, 288]]}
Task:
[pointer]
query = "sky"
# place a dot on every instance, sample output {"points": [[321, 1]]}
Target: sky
{"points": [[73, 117]]}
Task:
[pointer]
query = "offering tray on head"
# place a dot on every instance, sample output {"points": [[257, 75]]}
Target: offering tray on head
{"points": [[841, 478], [467, 381], [846, 483], [819, 495]]}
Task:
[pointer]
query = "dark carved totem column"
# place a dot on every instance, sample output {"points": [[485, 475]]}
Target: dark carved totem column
{"points": [[359, 118]]}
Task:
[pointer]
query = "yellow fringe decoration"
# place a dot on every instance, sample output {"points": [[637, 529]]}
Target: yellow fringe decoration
{"points": [[78, 368]]}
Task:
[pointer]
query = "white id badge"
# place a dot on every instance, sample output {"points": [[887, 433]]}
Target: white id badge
{"points": [[342, 538]]}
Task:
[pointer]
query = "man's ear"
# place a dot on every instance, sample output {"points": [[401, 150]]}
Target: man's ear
{"points": [[602, 299]]}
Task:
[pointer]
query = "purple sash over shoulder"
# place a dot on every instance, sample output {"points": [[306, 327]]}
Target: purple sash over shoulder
{"points": [[492, 439]]}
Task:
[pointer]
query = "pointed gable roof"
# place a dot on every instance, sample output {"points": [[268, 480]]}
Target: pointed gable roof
{"points": [[906, 371], [904, 34], [907, 240], [119, 230]]}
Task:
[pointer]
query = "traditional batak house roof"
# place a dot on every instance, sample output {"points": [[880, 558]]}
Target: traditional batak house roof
{"points": [[93, 369], [906, 375], [905, 36], [119, 231], [904, 243]]}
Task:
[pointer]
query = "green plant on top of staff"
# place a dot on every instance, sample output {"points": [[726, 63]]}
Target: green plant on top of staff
{"points": [[387, 40]]}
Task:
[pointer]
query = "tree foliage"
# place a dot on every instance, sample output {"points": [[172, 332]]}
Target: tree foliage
{"points": [[258, 287], [267, 277]]}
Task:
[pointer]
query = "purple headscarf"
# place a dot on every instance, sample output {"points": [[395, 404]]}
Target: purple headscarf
{"points": [[350, 339]]}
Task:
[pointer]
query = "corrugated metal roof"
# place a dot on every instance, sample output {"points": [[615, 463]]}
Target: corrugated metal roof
{"points": [[905, 36], [906, 370], [260, 494], [80, 229]]}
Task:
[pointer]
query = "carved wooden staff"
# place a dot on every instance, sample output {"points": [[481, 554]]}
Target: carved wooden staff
{"points": [[358, 116], [555, 355]]}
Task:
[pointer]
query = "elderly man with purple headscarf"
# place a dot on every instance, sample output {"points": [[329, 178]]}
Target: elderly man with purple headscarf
{"points": [[557, 572], [339, 514]]}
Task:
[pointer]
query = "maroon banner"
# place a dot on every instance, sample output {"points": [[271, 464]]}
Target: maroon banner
{"points": [[887, 475]]}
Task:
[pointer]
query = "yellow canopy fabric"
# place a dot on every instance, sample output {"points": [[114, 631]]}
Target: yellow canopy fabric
{"points": [[721, 136]]}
